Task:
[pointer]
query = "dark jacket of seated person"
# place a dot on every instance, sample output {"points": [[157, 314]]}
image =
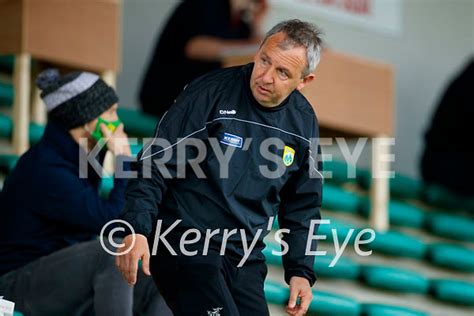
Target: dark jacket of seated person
{"points": [[46, 205], [51, 210]]}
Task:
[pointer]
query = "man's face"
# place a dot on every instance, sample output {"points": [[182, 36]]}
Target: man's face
{"points": [[278, 72]]}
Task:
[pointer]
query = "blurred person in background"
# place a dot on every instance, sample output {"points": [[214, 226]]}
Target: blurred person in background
{"points": [[448, 157], [51, 262], [192, 42]]}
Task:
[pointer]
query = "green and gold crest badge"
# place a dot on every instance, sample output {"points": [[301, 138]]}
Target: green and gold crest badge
{"points": [[288, 156]]}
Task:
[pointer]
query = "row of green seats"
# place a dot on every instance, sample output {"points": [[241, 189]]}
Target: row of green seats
{"points": [[399, 244], [400, 213], [442, 224], [383, 277], [6, 127], [451, 256], [401, 186], [340, 172], [345, 268], [453, 291], [452, 226], [396, 243], [324, 303], [389, 278]]}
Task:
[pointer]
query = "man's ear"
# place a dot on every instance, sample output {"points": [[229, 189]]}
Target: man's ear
{"points": [[305, 81]]}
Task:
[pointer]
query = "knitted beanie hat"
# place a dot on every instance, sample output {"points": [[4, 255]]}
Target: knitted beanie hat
{"points": [[76, 98]]}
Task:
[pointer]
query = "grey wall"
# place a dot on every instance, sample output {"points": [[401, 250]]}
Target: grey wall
{"points": [[437, 38]]}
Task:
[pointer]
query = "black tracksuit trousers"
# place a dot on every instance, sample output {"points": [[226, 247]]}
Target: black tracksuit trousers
{"points": [[210, 285]]}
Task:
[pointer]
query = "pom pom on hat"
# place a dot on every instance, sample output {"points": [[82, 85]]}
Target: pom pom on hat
{"points": [[47, 78]]}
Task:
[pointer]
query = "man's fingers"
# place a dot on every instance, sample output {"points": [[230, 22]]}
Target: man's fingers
{"points": [[305, 297], [146, 263], [293, 297], [132, 270], [305, 300], [128, 263], [124, 266]]}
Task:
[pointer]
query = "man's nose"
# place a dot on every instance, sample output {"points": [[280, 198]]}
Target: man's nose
{"points": [[267, 77]]}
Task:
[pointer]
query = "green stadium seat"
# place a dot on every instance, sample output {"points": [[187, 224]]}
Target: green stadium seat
{"points": [[137, 123], [453, 291], [7, 63], [324, 303], [335, 198], [339, 171], [342, 230], [106, 185], [441, 197], [400, 186], [389, 310], [405, 187], [451, 226], [135, 148], [344, 268], [36, 131], [17, 314], [452, 256], [364, 178], [6, 94], [275, 293], [397, 244], [6, 126], [271, 258], [400, 213], [8, 162], [394, 279]]}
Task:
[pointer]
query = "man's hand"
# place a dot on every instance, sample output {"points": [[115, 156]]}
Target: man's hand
{"points": [[299, 287], [128, 263]]}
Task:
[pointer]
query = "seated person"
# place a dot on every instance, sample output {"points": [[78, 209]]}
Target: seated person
{"points": [[51, 262]]}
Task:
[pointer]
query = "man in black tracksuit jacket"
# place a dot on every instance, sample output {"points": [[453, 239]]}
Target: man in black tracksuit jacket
{"points": [[257, 112]]}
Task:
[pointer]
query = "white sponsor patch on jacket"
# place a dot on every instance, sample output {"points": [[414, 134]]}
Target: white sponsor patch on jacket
{"points": [[232, 140]]}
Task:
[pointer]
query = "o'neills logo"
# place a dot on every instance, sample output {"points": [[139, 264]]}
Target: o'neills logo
{"points": [[228, 112]]}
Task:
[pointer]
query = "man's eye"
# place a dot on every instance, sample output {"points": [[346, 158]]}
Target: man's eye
{"points": [[283, 74], [264, 61]]}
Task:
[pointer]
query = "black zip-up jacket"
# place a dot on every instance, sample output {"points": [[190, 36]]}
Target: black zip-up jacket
{"points": [[220, 106]]}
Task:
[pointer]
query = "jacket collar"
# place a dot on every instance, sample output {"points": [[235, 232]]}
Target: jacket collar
{"points": [[58, 137]]}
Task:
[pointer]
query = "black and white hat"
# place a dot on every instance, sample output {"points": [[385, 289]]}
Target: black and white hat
{"points": [[76, 98]]}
